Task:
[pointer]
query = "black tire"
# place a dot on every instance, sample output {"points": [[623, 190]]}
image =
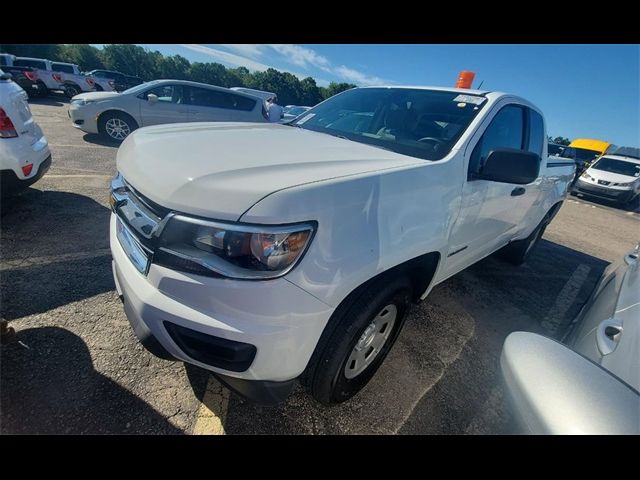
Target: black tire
{"points": [[71, 90], [99, 88], [519, 251], [633, 204], [43, 91], [325, 376], [121, 116]]}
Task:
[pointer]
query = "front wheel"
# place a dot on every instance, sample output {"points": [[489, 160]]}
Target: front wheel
{"points": [[116, 126], [357, 340]]}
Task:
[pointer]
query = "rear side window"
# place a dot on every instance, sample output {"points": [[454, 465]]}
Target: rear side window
{"points": [[536, 132], [57, 67], [506, 130], [30, 63], [205, 97]]}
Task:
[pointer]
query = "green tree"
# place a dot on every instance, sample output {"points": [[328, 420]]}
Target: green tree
{"points": [[174, 67], [48, 51], [561, 141], [86, 56], [335, 88], [310, 93], [132, 60]]}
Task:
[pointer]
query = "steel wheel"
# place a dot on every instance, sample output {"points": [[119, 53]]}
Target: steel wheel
{"points": [[117, 128], [371, 341]]}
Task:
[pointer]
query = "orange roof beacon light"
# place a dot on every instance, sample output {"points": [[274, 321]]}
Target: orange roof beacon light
{"points": [[465, 79]]}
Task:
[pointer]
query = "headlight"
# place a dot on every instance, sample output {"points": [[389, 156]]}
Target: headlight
{"points": [[249, 252], [627, 184], [586, 176], [81, 101]]}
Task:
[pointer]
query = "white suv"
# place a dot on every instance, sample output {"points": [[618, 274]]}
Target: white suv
{"points": [[24, 150]]}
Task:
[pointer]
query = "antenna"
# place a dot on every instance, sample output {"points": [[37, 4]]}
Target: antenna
{"points": [[480, 85]]}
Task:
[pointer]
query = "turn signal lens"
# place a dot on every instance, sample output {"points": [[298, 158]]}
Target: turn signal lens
{"points": [[27, 169]]}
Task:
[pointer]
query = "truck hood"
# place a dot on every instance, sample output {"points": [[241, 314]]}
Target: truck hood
{"points": [[219, 170], [96, 96]]}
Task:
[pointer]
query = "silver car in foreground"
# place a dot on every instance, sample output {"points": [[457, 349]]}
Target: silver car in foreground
{"points": [[115, 115], [593, 386]]}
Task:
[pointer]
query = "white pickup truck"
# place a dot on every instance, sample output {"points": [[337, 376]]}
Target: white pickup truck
{"points": [[268, 253], [58, 76]]}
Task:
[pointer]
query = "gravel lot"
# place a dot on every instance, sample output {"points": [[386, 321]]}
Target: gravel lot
{"points": [[76, 367]]}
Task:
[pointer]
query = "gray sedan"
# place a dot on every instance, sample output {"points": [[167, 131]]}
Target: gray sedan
{"points": [[589, 385], [115, 115]]}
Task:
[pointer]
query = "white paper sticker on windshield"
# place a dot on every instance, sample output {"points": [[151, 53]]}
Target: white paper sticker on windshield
{"points": [[469, 99], [305, 118]]}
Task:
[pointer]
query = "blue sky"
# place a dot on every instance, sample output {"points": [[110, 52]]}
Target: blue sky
{"points": [[588, 91]]}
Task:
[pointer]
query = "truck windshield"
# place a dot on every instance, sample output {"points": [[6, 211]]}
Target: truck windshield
{"points": [[617, 166], [586, 155], [416, 122]]}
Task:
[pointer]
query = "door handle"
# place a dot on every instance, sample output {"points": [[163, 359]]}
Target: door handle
{"points": [[608, 335], [518, 191]]}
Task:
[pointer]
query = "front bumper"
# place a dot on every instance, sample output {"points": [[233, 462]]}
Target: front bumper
{"points": [[83, 118], [606, 193], [282, 321]]}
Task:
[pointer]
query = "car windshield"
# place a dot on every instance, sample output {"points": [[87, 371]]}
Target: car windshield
{"points": [[296, 110], [141, 87], [586, 155], [617, 166], [417, 122]]}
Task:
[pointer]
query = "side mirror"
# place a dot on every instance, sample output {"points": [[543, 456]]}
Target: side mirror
{"points": [[554, 390], [509, 165], [152, 98]]}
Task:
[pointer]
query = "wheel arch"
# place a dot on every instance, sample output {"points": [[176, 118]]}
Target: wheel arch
{"points": [[116, 110]]}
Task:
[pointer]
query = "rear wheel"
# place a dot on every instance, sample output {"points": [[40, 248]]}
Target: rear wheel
{"points": [[357, 340], [519, 251], [116, 126], [43, 91], [72, 90]]}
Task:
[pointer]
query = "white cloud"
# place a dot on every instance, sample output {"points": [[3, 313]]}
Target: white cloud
{"points": [[246, 55], [253, 50], [242, 61], [358, 77], [302, 56]]}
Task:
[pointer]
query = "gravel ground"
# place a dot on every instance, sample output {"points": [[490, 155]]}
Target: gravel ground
{"points": [[75, 366]]}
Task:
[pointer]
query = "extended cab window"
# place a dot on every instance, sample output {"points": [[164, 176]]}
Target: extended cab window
{"points": [[506, 130], [536, 132], [417, 122], [166, 93], [56, 67]]}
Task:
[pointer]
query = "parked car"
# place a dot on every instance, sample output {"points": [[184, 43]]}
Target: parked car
{"points": [[611, 177], [73, 80], [275, 252], [116, 115], [6, 59], [292, 111], [256, 93], [590, 385], [26, 77], [109, 81], [24, 150], [48, 79]]}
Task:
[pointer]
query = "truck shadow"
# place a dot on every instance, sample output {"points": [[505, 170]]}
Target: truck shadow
{"points": [[50, 386], [443, 376], [55, 245]]}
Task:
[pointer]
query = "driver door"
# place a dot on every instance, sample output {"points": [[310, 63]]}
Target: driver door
{"points": [[170, 107]]}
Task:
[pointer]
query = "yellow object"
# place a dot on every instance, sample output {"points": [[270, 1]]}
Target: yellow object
{"points": [[599, 146]]}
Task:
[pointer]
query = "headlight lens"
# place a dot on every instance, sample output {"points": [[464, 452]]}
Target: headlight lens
{"points": [[248, 252], [586, 176], [81, 101], [626, 184]]}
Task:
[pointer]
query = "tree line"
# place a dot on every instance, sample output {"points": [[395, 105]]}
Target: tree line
{"points": [[152, 65]]}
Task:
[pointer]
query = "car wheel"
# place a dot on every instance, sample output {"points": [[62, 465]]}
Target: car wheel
{"points": [[72, 90], [99, 88], [633, 204], [116, 126], [43, 91], [519, 251], [356, 341]]}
